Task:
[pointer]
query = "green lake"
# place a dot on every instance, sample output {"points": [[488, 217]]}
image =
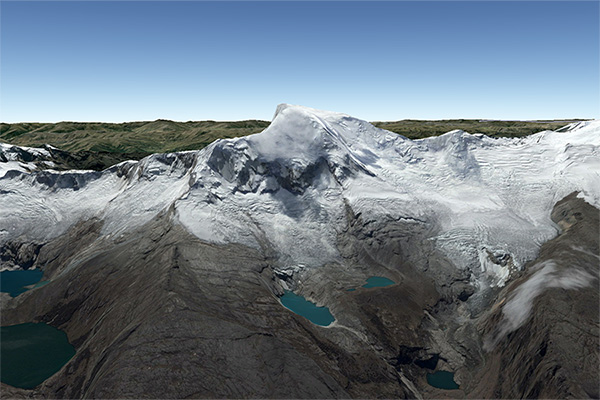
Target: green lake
{"points": [[301, 306], [31, 353], [442, 380], [378, 281], [14, 282]]}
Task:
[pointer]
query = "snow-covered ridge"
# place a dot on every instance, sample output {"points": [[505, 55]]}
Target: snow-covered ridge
{"points": [[22, 158], [287, 188]]}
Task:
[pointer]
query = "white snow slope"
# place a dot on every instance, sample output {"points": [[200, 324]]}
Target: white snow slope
{"points": [[286, 188], [10, 158]]}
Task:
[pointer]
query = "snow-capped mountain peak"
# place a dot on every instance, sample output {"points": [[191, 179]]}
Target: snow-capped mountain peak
{"points": [[290, 188]]}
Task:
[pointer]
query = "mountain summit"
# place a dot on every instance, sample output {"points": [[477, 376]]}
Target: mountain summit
{"points": [[178, 262], [292, 185]]}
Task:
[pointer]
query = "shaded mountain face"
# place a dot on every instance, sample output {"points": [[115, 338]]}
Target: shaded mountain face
{"points": [[28, 159], [542, 334], [165, 273]]}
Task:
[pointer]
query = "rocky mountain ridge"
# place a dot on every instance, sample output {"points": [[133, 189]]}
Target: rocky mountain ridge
{"points": [[176, 262]]}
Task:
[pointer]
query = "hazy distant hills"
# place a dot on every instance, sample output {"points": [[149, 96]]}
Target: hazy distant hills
{"points": [[101, 145], [130, 137], [417, 129]]}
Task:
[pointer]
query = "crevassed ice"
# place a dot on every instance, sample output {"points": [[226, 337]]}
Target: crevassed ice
{"points": [[286, 189]]}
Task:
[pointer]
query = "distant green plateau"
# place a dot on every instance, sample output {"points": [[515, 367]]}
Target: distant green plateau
{"points": [[100, 145]]}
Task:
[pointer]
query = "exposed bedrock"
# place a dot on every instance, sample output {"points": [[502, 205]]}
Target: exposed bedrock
{"points": [[400, 246], [542, 335], [239, 164], [17, 255], [161, 314], [47, 156], [158, 313]]}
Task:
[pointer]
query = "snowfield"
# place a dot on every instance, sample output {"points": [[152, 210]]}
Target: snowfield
{"points": [[288, 188]]}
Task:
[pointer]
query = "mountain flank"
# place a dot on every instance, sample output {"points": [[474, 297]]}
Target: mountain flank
{"points": [[168, 275]]}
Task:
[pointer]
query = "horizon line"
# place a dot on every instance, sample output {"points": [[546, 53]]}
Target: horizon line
{"points": [[555, 120]]}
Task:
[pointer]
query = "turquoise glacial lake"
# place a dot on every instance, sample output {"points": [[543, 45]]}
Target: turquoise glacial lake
{"points": [[31, 353], [442, 380], [378, 281], [309, 310], [14, 282]]}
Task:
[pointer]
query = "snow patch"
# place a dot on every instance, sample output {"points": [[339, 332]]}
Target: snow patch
{"points": [[517, 310]]}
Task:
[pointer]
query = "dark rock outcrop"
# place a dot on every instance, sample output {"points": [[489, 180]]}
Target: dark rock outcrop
{"points": [[554, 353], [157, 313], [161, 314]]}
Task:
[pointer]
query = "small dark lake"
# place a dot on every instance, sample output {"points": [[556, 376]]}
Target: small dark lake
{"points": [[31, 353], [301, 306], [378, 281], [14, 282], [442, 380]]}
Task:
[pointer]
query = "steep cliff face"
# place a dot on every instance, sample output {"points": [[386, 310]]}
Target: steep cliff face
{"points": [[162, 314], [485, 202], [165, 273], [542, 335]]}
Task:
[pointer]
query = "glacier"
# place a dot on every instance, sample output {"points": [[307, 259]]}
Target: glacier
{"points": [[288, 189]]}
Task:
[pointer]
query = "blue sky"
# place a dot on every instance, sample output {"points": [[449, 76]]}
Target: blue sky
{"points": [[124, 61]]}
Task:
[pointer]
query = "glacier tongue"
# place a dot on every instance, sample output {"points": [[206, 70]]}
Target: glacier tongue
{"points": [[286, 190]]}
